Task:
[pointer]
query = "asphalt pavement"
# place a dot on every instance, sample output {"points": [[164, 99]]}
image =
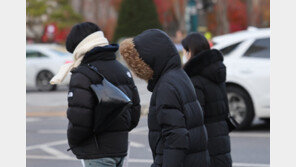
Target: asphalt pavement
{"points": [[47, 144]]}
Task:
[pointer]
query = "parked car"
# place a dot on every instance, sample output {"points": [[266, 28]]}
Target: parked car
{"points": [[42, 62], [247, 58]]}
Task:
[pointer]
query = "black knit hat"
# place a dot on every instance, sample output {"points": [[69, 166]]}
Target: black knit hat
{"points": [[78, 33]]}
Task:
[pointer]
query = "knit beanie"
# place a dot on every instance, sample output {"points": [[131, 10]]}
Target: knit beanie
{"points": [[82, 38], [78, 33]]}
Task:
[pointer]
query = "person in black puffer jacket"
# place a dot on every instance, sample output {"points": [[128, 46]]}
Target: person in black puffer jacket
{"points": [[208, 73], [177, 135], [112, 143]]}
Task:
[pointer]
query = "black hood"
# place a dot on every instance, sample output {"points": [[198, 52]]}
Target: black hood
{"points": [[209, 64], [157, 50]]}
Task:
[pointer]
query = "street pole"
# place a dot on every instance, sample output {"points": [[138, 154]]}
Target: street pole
{"points": [[191, 16]]}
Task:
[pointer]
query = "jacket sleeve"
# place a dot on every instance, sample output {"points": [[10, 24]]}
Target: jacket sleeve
{"points": [[81, 102], [173, 126], [136, 107], [200, 96]]}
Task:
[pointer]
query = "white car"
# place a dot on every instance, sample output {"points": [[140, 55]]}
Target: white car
{"points": [[42, 62], [247, 58]]}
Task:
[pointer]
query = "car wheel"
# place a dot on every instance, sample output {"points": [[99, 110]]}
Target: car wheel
{"points": [[240, 106], [42, 81]]}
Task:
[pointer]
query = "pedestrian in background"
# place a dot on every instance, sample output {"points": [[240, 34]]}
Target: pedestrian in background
{"points": [[208, 73], [177, 135], [89, 46]]}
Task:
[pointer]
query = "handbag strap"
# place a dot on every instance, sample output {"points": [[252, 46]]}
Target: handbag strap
{"points": [[95, 69], [91, 73]]}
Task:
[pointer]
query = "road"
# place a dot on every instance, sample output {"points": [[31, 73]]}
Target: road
{"points": [[47, 144]]}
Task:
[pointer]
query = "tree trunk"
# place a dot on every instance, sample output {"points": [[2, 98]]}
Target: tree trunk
{"points": [[250, 12], [179, 14], [81, 9], [96, 12], [222, 20]]}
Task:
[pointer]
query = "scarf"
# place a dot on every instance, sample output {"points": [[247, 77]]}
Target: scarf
{"points": [[91, 41]]}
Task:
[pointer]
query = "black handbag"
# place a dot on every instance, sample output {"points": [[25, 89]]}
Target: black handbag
{"points": [[111, 102]]}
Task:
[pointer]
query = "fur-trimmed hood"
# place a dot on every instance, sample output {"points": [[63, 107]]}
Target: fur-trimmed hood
{"points": [[209, 64], [150, 54]]}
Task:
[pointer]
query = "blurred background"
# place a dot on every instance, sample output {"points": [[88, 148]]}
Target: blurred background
{"points": [[238, 28], [51, 20]]}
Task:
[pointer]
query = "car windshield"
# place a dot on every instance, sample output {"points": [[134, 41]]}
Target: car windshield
{"points": [[260, 49], [227, 50]]}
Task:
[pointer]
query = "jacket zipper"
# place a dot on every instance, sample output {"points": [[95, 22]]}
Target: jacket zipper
{"points": [[96, 140]]}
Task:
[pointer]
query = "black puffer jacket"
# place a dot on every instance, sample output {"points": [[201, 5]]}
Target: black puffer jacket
{"points": [[208, 74], [177, 135], [81, 102]]}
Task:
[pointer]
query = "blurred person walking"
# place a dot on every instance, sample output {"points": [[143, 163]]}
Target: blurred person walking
{"points": [[89, 46], [208, 73], [177, 135]]}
